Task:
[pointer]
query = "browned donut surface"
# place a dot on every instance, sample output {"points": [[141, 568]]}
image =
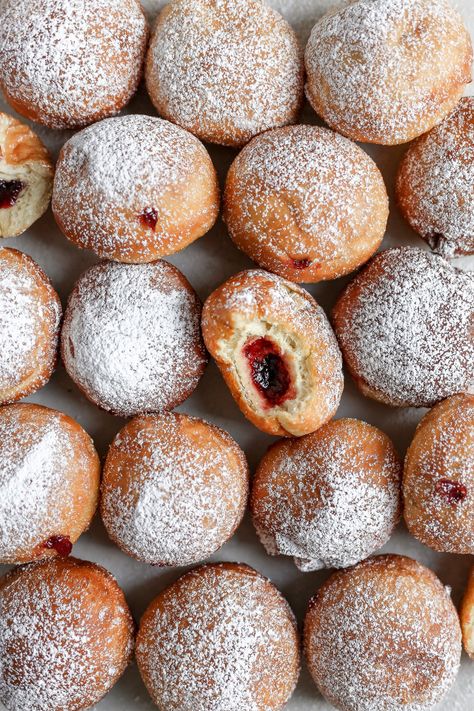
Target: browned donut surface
{"points": [[383, 635], [174, 489], [438, 481], [328, 499], [221, 637], [306, 203], [131, 337], [68, 63], [30, 314], [405, 325], [434, 183], [66, 635], [467, 617]]}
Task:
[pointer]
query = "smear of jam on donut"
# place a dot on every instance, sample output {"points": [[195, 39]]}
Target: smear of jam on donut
{"points": [[9, 192], [301, 263], [149, 217], [270, 374], [453, 491], [61, 544]]}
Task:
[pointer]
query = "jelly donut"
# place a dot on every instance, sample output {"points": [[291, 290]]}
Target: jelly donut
{"points": [[30, 314], [383, 635], [306, 203], [386, 72], [467, 617], [438, 480], [221, 637], [68, 63], [131, 339], [329, 499], [66, 635], [26, 177], [276, 351], [134, 188], [49, 483], [434, 183], [405, 326], [174, 489], [225, 70]]}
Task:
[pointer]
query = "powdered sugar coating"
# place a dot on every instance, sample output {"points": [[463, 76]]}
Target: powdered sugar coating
{"points": [[30, 314], [383, 635], [49, 480], [224, 69], [222, 638], [174, 489], [111, 174], [386, 71], [405, 327], [67, 63], [435, 183], [66, 636], [131, 338], [305, 194], [329, 499], [440, 462]]}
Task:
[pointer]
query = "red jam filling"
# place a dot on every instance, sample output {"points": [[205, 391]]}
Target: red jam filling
{"points": [[453, 491], [269, 372], [9, 192], [61, 544], [301, 263], [149, 217]]}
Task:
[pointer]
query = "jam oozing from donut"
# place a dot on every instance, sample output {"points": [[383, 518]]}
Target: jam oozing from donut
{"points": [[453, 491], [10, 192], [61, 544], [301, 263], [269, 372], [149, 217]]}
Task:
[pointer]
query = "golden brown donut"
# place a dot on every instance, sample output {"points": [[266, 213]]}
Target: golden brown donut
{"points": [[131, 337], [174, 489], [26, 177], [66, 635], [49, 483], [329, 499], [467, 617], [225, 70], [438, 480], [405, 325], [68, 63], [386, 72], [383, 635], [434, 183], [30, 314], [276, 351], [221, 637], [305, 203], [134, 189]]}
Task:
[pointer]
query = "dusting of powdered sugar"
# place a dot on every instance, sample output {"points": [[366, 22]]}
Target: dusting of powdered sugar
{"points": [[71, 62], [111, 173], [174, 489], [221, 638], [329, 499], [384, 635], [30, 313], [435, 184], [131, 337], [66, 635], [225, 69], [305, 192], [442, 449], [382, 70], [405, 325]]}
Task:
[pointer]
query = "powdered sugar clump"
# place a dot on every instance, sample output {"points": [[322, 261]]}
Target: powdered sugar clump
{"points": [[131, 337], [329, 499], [222, 637], [174, 489]]}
